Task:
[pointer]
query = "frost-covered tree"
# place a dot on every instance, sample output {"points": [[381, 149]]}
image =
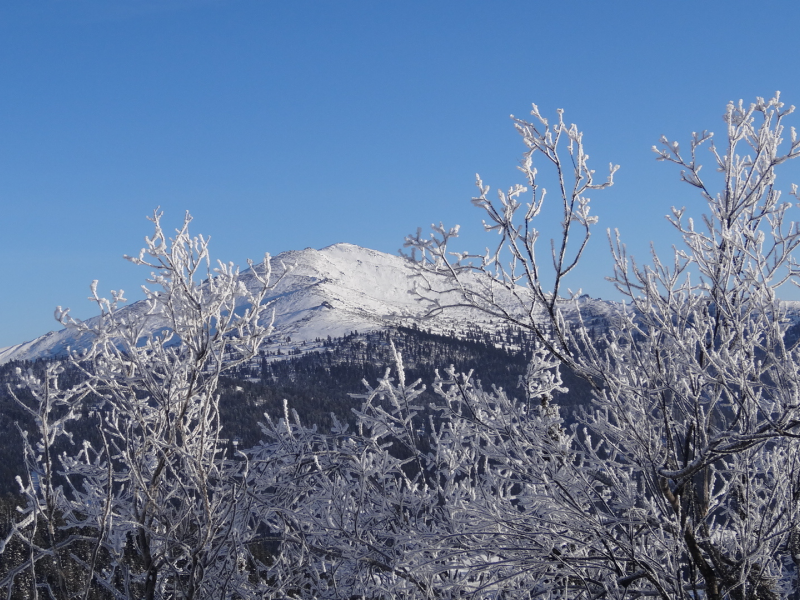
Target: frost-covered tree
{"points": [[681, 480], [155, 506], [367, 513]]}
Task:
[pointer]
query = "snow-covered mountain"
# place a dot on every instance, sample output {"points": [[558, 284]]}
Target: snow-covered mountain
{"points": [[329, 292]]}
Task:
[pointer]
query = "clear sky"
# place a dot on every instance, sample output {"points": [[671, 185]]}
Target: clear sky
{"points": [[284, 125]]}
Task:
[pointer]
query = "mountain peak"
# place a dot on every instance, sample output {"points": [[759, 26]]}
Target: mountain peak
{"points": [[329, 292], [332, 291]]}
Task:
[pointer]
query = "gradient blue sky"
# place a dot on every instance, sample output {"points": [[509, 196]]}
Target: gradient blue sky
{"points": [[284, 125]]}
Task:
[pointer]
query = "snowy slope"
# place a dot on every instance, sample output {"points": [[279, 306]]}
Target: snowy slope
{"points": [[328, 292]]}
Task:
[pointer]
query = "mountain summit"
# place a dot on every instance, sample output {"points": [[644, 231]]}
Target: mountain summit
{"points": [[320, 293]]}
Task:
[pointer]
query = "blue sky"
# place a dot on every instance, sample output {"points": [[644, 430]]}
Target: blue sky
{"points": [[284, 125]]}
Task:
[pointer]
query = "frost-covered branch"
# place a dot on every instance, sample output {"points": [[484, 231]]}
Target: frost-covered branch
{"points": [[509, 281], [166, 508]]}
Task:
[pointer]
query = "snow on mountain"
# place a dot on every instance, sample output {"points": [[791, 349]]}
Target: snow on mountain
{"points": [[329, 292]]}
